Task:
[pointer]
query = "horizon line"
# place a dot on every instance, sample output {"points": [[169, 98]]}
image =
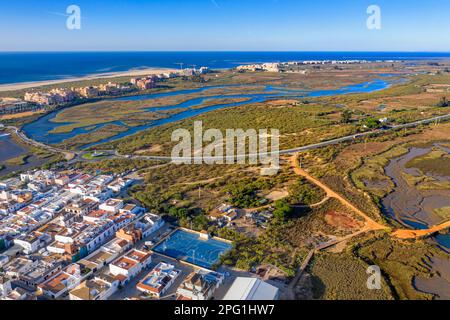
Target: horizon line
{"points": [[222, 51]]}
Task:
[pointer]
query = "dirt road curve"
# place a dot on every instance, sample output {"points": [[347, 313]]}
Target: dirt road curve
{"points": [[370, 223], [411, 234]]}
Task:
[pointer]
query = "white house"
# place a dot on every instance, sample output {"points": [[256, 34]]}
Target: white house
{"points": [[32, 242], [251, 289], [112, 205], [130, 264], [63, 281], [149, 223], [99, 288], [200, 285], [5, 286], [159, 280]]}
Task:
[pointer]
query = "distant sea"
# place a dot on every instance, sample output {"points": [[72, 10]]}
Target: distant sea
{"points": [[18, 67]]}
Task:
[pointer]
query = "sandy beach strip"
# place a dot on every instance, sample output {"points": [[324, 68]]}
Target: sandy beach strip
{"points": [[129, 73]]}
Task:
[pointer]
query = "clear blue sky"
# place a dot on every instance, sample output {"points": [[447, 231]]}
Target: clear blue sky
{"points": [[222, 25]]}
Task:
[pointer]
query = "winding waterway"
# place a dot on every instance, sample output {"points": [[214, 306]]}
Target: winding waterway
{"points": [[407, 204], [9, 149], [415, 208], [40, 130]]}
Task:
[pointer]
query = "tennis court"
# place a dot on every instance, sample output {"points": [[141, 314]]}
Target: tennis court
{"points": [[190, 247]]}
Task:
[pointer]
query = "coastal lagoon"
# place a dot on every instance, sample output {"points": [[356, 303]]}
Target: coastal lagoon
{"points": [[9, 149], [41, 129], [414, 204]]}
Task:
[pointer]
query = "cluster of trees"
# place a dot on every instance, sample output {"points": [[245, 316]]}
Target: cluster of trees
{"points": [[372, 123], [243, 193], [443, 102], [250, 252], [115, 165], [193, 219], [283, 210], [304, 193], [195, 78], [346, 116]]}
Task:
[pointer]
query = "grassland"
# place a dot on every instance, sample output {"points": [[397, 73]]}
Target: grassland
{"points": [[400, 263], [370, 176], [116, 166], [343, 277], [18, 161], [436, 162], [92, 156], [311, 226], [106, 111], [298, 123], [444, 213], [104, 132]]}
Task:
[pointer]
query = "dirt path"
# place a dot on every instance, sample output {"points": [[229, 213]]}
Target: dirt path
{"points": [[412, 234], [369, 222], [317, 204]]}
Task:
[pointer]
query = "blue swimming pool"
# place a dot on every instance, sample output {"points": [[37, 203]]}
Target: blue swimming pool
{"points": [[189, 247]]}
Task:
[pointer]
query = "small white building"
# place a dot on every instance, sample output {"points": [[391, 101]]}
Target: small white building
{"points": [[149, 223], [251, 289], [5, 286], [99, 288], [130, 264], [32, 242], [159, 280], [112, 205], [200, 285]]}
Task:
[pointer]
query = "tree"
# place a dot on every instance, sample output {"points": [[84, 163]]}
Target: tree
{"points": [[282, 210], [200, 222], [372, 123], [346, 116], [179, 213], [443, 102]]}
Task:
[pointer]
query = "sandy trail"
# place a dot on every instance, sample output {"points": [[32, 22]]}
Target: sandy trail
{"points": [[411, 234], [370, 224]]}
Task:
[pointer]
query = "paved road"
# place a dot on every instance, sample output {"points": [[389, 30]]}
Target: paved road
{"points": [[315, 145], [21, 135], [364, 134], [110, 154]]}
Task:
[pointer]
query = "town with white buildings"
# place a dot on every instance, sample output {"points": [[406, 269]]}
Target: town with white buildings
{"points": [[67, 235], [286, 66]]}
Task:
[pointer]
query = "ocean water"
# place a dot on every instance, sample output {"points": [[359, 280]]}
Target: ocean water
{"points": [[18, 67]]}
